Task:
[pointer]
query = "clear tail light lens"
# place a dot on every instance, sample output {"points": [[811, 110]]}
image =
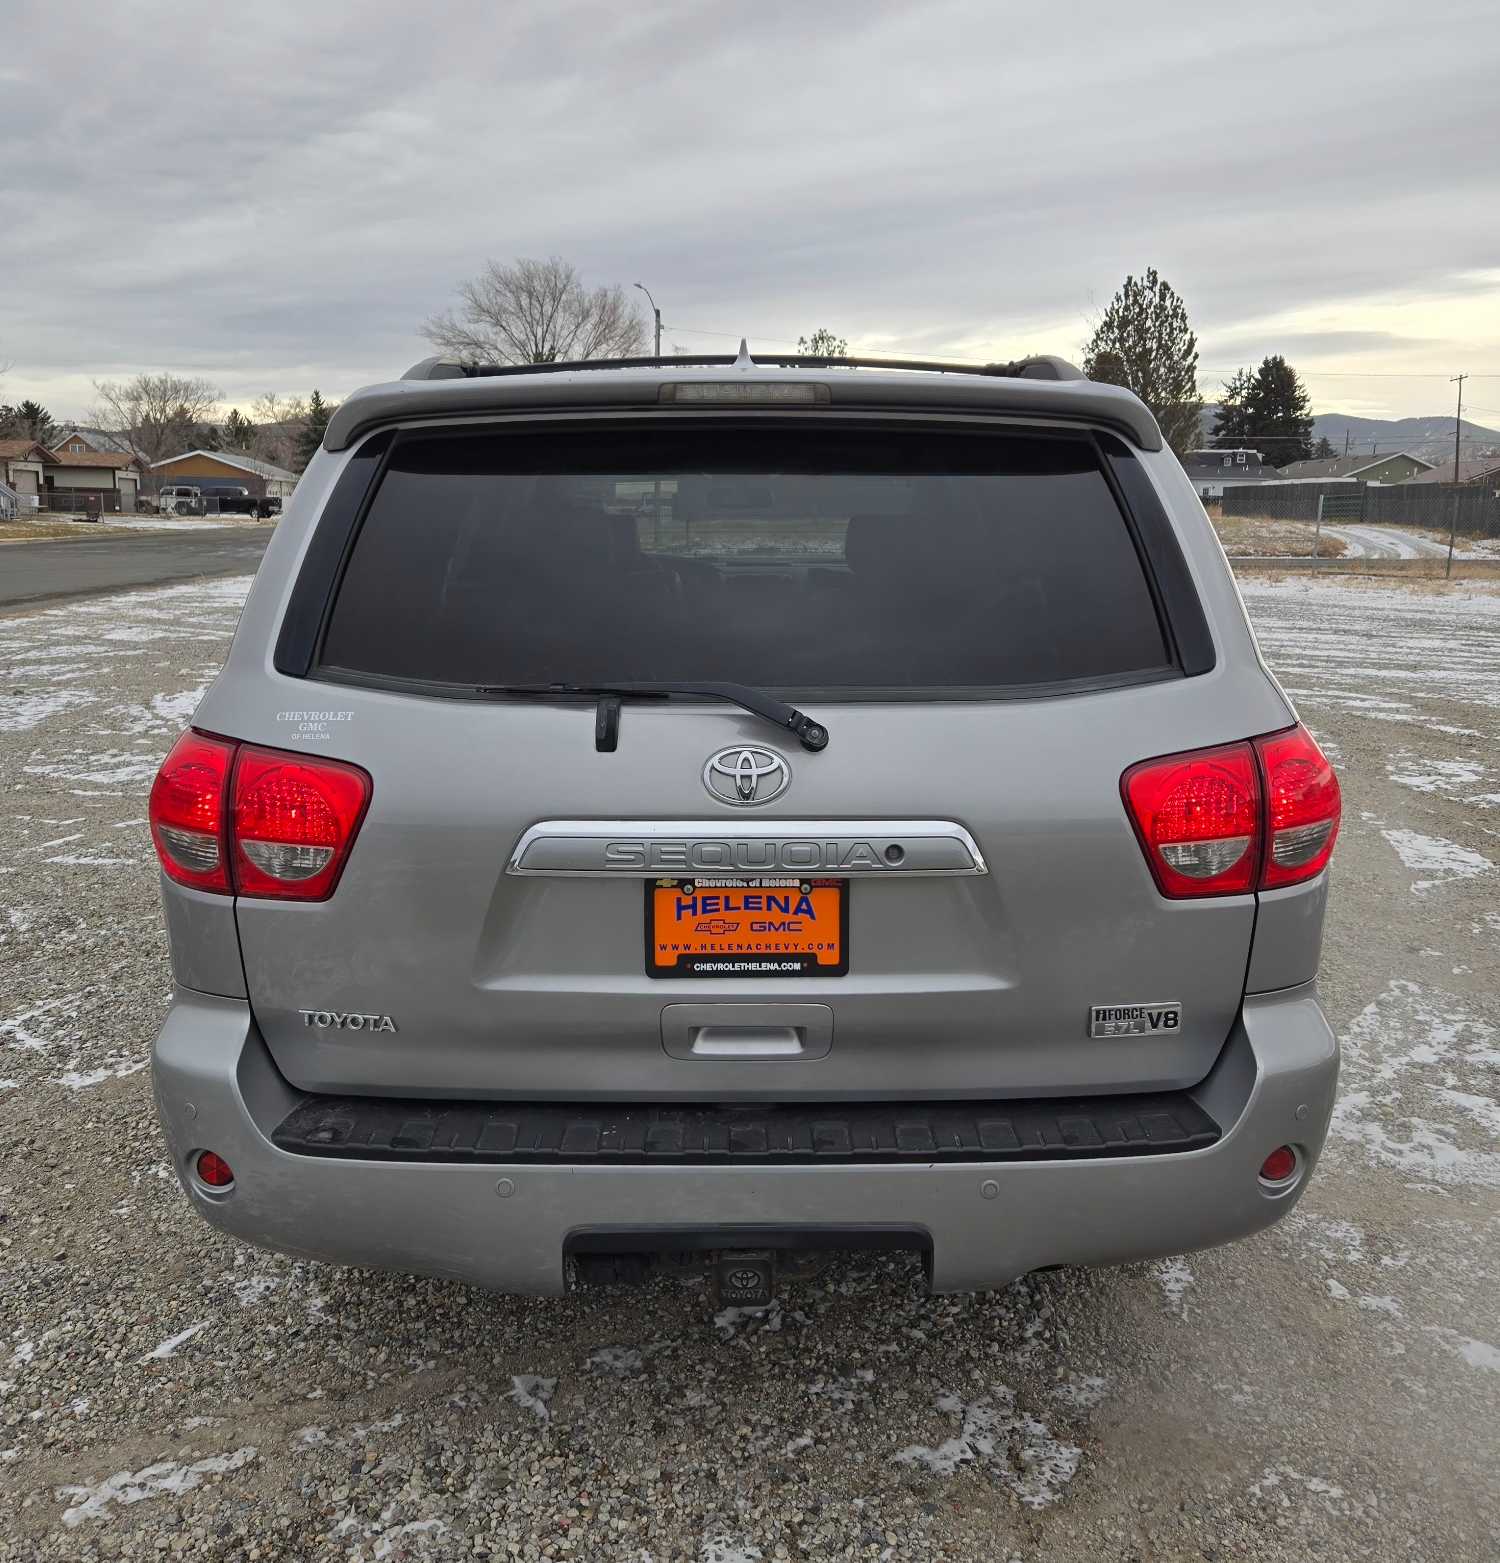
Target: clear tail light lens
{"points": [[1241, 817], [189, 822], [1302, 806], [241, 820], [294, 821], [1198, 819]]}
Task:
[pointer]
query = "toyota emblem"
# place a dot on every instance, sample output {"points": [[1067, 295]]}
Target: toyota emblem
{"points": [[746, 776]]}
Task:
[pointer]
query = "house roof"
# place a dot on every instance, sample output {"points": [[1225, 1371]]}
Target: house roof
{"points": [[93, 458], [20, 450], [1346, 466], [99, 439], [1469, 471], [1208, 466], [232, 458]]}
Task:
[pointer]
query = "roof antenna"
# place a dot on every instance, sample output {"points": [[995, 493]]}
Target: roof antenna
{"points": [[744, 361]]}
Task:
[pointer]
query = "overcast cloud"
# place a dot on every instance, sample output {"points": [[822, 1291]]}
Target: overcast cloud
{"points": [[275, 195]]}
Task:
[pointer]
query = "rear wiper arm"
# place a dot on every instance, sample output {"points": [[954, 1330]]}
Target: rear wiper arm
{"points": [[811, 734]]}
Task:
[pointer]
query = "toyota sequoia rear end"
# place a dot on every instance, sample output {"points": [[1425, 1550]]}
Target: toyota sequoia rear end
{"points": [[710, 814]]}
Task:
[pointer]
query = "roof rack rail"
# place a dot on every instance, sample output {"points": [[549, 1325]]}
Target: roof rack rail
{"points": [[1040, 368]]}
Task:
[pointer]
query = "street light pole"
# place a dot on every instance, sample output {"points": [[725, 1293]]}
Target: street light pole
{"points": [[656, 312], [656, 482]]}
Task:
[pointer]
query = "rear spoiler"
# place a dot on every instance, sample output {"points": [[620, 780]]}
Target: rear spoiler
{"points": [[1050, 388]]}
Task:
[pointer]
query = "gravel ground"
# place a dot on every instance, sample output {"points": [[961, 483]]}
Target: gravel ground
{"points": [[1330, 1389]]}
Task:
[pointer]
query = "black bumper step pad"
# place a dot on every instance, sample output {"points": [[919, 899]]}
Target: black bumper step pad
{"points": [[688, 1134]]}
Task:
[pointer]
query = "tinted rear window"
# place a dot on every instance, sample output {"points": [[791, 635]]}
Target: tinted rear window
{"points": [[869, 562]]}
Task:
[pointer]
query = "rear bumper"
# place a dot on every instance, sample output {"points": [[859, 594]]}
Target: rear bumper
{"points": [[506, 1226]]}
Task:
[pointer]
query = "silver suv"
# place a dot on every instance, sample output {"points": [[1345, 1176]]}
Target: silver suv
{"points": [[696, 813]]}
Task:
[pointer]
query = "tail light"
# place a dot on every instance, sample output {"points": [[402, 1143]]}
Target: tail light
{"points": [[189, 820], [241, 820], [1302, 805], [293, 823], [1198, 817], [1241, 817]]}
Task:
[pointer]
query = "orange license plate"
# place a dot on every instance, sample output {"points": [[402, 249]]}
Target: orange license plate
{"points": [[721, 927]]}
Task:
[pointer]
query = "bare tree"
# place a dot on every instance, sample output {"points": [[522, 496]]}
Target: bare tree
{"points": [[156, 415], [279, 421], [536, 312]]}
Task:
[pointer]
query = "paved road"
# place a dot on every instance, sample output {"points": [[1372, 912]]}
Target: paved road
{"points": [[35, 572]]}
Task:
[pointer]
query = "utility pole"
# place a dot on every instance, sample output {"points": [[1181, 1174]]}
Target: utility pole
{"points": [[1346, 444], [1458, 428]]}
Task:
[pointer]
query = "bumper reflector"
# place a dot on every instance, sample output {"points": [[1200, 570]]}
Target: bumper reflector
{"points": [[214, 1171]]}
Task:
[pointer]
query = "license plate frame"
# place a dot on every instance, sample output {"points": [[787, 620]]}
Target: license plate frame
{"points": [[806, 958]]}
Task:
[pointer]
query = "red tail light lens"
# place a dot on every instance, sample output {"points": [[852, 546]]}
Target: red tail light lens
{"points": [[294, 821], [188, 817], [241, 820], [1245, 816], [1302, 805], [1198, 819]]}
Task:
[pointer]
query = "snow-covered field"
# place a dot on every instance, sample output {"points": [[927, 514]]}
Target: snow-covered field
{"points": [[1327, 1390]]}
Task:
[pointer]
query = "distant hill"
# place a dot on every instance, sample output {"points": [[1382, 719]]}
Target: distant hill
{"points": [[1429, 438]]}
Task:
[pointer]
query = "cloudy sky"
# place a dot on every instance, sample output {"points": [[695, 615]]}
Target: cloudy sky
{"points": [[274, 196]]}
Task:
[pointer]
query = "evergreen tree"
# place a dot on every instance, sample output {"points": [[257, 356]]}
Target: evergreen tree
{"points": [[1323, 451], [312, 430], [1279, 413], [35, 422], [1146, 336], [238, 431], [1232, 416]]}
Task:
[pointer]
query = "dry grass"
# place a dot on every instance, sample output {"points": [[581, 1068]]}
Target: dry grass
{"points": [[30, 528], [1260, 537], [1422, 574]]}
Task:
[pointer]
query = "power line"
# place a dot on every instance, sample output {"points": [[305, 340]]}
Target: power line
{"points": [[1361, 374]]}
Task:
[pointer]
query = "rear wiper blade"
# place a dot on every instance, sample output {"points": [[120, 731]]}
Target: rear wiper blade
{"points": [[811, 734]]}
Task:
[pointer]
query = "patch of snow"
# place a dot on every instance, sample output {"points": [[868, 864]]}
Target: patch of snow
{"points": [[166, 1478], [1446, 860], [1174, 1277], [729, 1549], [399, 1535], [1277, 1481], [1406, 1057], [1477, 1353], [1019, 1450], [1336, 1290], [170, 1345], [619, 1361], [531, 1392], [20, 713]]}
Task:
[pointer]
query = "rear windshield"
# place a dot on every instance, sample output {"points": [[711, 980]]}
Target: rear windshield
{"points": [[889, 562]]}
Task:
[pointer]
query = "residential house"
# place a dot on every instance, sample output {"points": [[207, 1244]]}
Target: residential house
{"points": [[1483, 470], [1212, 471], [91, 480], [77, 441], [262, 478], [22, 467], [1397, 467]]}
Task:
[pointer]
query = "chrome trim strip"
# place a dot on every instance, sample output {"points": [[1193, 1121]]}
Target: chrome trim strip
{"points": [[613, 849]]}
